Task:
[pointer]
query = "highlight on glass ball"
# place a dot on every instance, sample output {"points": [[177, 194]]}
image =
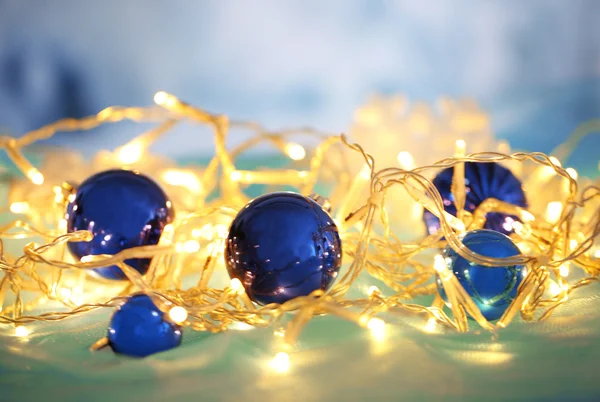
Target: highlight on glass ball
{"points": [[122, 209], [283, 245], [492, 288], [483, 180], [138, 328]]}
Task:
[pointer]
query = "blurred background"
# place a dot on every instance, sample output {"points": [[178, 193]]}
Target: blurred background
{"points": [[533, 66]]}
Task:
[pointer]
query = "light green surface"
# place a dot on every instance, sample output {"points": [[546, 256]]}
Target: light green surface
{"points": [[335, 361]]}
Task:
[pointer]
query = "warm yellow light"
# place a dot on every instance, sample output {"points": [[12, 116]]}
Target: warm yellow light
{"points": [[191, 246], [597, 253], [373, 290], [65, 293], [20, 207], [130, 153], [431, 325], [573, 173], [377, 327], [280, 333], [21, 331], [461, 145], [439, 264], [183, 178], [406, 160], [555, 288], [553, 211], [237, 286], [178, 314], [564, 270], [555, 161], [241, 326], [573, 243], [365, 173], [160, 98], [295, 151], [281, 362], [236, 175], [35, 176]]}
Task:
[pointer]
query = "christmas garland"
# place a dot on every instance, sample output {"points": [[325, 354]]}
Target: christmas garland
{"points": [[499, 242]]}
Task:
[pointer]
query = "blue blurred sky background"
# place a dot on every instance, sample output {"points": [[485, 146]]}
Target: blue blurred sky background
{"points": [[533, 65]]}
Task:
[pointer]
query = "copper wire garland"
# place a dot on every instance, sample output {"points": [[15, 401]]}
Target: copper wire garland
{"points": [[44, 283]]}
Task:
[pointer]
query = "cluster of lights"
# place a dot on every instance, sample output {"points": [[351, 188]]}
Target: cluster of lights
{"points": [[230, 308]]}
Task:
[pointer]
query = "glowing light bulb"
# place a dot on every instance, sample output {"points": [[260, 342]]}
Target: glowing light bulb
{"points": [[65, 293], [553, 211], [365, 173], [555, 288], [573, 173], [377, 327], [191, 246], [281, 362], [236, 175], [21, 331], [35, 176], [295, 151], [20, 207], [373, 290], [178, 314], [237, 286], [555, 161], [431, 325], [461, 145], [280, 333], [439, 264], [241, 326], [573, 243], [563, 270], [406, 160], [130, 153], [597, 253], [160, 98], [182, 178]]}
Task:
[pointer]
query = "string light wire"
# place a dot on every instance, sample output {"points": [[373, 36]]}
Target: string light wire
{"points": [[193, 246]]}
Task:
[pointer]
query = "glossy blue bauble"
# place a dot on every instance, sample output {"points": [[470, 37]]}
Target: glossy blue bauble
{"points": [[138, 328], [122, 209], [482, 181], [281, 246], [491, 288]]}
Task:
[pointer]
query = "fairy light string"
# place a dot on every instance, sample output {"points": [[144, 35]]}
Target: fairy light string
{"points": [[557, 237]]}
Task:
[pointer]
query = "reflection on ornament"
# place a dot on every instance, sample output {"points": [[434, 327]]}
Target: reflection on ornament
{"points": [[122, 209], [482, 181], [138, 328], [283, 245], [491, 288]]}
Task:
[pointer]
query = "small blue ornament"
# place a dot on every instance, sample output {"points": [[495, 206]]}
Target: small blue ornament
{"points": [[122, 209], [491, 288], [138, 328], [482, 181], [281, 246]]}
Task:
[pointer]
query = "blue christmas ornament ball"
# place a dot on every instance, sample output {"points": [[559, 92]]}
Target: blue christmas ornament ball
{"points": [[482, 181], [283, 245], [122, 209], [138, 328], [491, 288]]}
